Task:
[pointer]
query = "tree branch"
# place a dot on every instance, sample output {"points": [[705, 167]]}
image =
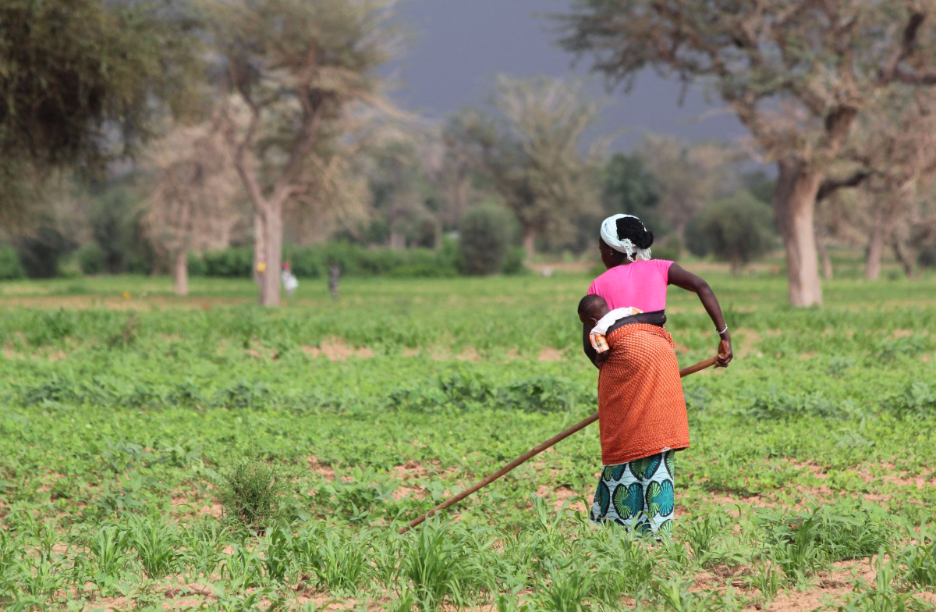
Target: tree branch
{"points": [[889, 71], [241, 148], [829, 186]]}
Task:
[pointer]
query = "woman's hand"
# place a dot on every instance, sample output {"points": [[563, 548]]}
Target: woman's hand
{"points": [[724, 353]]}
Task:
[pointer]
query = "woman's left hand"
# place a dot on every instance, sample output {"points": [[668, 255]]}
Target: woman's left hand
{"points": [[724, 353]]}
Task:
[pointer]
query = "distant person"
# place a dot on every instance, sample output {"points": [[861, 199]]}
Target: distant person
{"points": [[289, 280], [334, 275], [642, 412]]}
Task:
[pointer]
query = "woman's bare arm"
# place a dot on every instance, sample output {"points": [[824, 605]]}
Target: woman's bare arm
{"points": [[684, 279]]}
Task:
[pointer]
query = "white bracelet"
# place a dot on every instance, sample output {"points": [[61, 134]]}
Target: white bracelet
{"points": [[722, 331]]}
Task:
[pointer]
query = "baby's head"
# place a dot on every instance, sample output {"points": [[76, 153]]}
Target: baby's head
{"points": [[592, 308]]}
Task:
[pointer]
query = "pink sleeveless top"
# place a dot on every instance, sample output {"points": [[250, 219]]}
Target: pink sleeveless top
{"points": [[641, 284]]}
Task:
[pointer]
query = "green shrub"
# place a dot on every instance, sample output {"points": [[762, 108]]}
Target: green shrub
{"points": [[670, 251], [196, 265], [514, 262], [422, 271], [738, 228], [697, 241], [229, 263], [250, 493], [917, 400], [308, 262], [486, 233], [91, 259], [10, 266], [40, 252]]}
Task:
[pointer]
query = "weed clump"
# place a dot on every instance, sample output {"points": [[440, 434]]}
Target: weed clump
{"points": [[250, 494]]}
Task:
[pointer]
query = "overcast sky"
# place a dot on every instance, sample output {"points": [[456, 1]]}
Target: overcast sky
{"points": [[458, 45]]}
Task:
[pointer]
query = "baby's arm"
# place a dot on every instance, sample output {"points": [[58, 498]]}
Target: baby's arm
{"points": [[590, 352]]}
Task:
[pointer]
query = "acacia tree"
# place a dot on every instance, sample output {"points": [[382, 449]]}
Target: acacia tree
{"points": [[298, 67], [736, 228], [79, 80], [689, 175], [191, 207], [896, 148], [796, 73], [531, 153]]}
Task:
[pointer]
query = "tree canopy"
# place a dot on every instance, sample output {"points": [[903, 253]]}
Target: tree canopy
{"points": [[530, 150], [796, 74], [80, 82]]}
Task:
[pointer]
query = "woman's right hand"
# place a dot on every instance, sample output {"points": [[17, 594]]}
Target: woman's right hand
{"points": [[724, 353]]}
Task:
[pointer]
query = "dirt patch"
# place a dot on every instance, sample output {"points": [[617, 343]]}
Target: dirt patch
{"points": [[549, 354], [828, 588], [720, 577], [337, 349], [728, 498], [109, 603], [325, 471], [819, 471], [559, 496], [404, 491], [321, 601], [896, 476], [196, 507], [469, 354], [411, 470]]}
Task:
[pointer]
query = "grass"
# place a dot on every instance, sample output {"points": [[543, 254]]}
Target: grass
{"points": [[131, 429]]}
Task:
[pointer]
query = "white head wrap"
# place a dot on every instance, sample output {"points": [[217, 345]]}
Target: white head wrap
{"points": [[610, 235]]}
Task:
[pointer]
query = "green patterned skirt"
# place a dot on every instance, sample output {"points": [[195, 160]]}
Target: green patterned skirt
{"points": [[638, 495]]}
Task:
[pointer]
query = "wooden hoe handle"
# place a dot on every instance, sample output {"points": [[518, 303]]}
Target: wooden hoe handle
{"points": [[533, 452]]}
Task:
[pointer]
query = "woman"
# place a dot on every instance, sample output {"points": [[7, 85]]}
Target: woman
{"points": [[642, 411]]}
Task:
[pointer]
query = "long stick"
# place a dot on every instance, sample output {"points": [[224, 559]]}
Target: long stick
{"points": [[535, 451]]}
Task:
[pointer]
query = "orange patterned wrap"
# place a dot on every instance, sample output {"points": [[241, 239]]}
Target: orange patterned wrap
{"points": [[641, 407]]}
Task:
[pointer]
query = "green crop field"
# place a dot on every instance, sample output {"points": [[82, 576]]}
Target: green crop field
{"points": [[169, 453]]}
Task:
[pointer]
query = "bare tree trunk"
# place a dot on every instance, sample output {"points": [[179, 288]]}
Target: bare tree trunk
{"points": [[273, 253], [875, 251], [735, 265], [903, 256], [334, 275], [827, 272], [529, 243], [794, 205], [397, 239], [437, 232], [259, 235], [180, 272]]}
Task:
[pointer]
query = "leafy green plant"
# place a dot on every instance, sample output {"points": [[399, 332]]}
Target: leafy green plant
{"points": [[676, 596], [203, 543], [767, 578], [701, 534], [920, 562], [884, 595], [277, 560], [566, 589], [338, 563], [41, 576], [250, 492], [243, 568], [109, 547], [432, 565], [156, 544]]}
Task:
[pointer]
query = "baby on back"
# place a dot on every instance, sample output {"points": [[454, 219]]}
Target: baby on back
{"points": [[594, 310]]}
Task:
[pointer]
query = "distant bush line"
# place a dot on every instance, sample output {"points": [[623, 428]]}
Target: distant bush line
{"points": [[305, 262], [353, 260]]}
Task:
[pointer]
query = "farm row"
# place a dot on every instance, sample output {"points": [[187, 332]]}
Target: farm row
{"points": [[181, 453]]}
